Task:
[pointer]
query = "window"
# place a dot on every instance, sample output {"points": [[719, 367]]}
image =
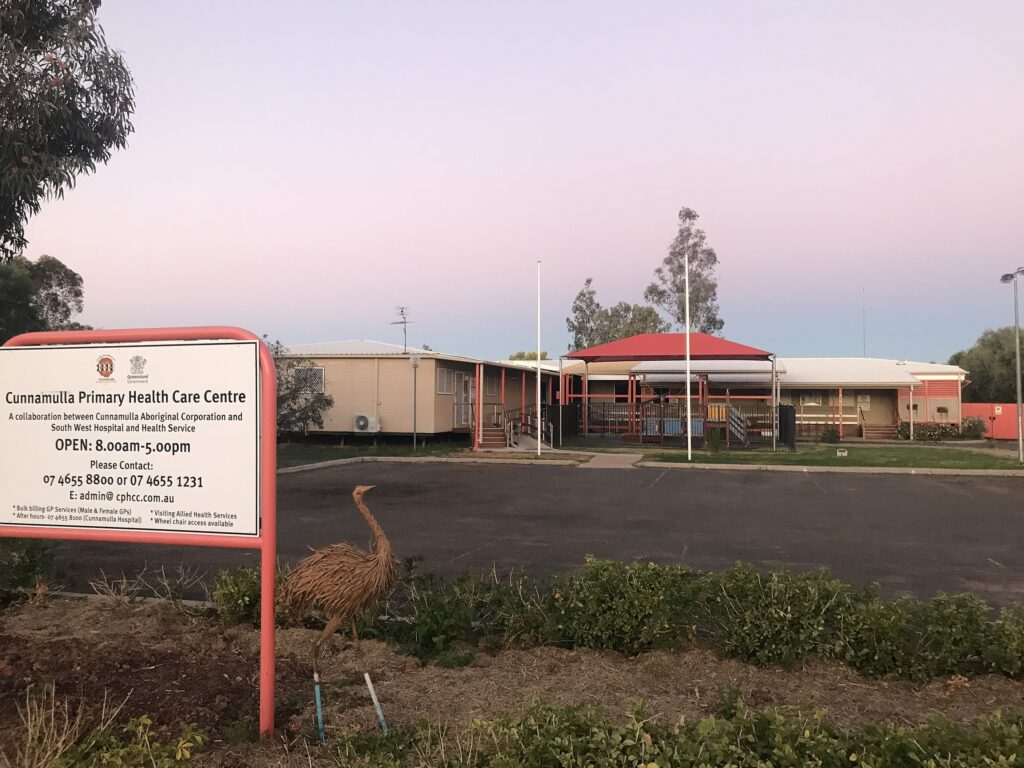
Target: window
{"points": [[445, 381], [309, 378], [491, 383], [811, 397], [864, 402]]}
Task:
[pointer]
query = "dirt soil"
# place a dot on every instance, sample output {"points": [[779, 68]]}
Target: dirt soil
{"points": [[182, 669], [172, 667]]}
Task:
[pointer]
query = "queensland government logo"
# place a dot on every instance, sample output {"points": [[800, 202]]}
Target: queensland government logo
{"points": [[138, 374]]}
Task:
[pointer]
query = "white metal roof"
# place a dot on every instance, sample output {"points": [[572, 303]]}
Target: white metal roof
{"points": [[368, 348], [854, 372], [806, 372], [354, 348], [548, 366], [705, 366]]}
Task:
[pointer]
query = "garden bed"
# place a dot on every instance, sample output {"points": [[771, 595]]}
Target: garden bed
{"points": [[177, 668]]}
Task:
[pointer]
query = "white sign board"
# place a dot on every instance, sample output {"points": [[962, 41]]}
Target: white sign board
{"points": [[140, 436]]}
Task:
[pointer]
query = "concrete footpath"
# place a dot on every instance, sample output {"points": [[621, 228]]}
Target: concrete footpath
{"points": [[612, 461]]}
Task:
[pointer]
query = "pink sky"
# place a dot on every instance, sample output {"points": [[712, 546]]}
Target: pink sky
{"points": [[302, 172]]}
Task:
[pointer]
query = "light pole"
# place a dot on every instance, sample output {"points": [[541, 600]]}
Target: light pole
{"points": [[689, 409], [415, 361], [1011, 277], [540, 424]]}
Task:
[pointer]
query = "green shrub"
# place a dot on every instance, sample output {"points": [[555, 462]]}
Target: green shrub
{"points": [[440, 616], [23, 562], [354, 748], [876, 639], [972, 428], [580, 736], [134, 745], [1004, 652], [445, 620], [927, 432], [830, 434], [776, 618], [952, 633], [236, 594], [625, 607], [515, 610], [762, 618]]}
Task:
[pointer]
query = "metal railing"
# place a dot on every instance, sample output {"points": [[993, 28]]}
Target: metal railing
{"points": [[741, 423]]}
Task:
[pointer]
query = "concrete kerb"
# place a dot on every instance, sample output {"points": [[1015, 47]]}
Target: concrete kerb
{"points": [[836, 470], [626, 463], [426, 460]]}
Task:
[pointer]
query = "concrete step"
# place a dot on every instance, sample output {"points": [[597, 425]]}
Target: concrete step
{"points": [[879, 433]]}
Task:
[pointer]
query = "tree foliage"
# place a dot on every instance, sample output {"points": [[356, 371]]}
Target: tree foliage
{"points": [[591, 324], [299, 403], [668, 289], [40, 295], [65, 102], [991, 367], [527, 355]]}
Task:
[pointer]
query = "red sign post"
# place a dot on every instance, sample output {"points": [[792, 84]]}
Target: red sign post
{"points": [[121, 525]]}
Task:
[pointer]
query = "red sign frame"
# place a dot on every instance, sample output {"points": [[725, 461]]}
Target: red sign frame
{"points": [[266, 542]]}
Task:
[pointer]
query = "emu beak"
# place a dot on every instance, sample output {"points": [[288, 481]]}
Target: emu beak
{"points": [[361, 489]]}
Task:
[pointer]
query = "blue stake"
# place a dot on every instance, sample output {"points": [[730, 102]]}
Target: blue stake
{"points": [[319, 706]]}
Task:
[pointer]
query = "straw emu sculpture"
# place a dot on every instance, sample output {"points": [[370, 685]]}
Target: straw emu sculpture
{"points": [[343, 580]]}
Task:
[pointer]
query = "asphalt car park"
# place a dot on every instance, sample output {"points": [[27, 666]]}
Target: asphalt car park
{"points": [[913, 534]]}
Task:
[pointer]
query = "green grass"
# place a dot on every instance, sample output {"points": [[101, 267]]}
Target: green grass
{"points": [[297, 454], [910, 456]]}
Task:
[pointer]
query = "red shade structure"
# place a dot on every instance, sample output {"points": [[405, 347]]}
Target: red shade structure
{"points": [[669, 346], [644, 416]]}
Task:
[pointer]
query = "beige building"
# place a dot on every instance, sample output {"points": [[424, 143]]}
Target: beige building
{"points": [[862, 397], [375, 385]]}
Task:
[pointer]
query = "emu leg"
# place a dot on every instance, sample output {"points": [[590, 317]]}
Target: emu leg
{"points": [[330, 629], [355, 634]]}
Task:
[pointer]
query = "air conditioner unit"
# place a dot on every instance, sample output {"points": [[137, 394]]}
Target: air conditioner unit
{"points": [[366, 422]]}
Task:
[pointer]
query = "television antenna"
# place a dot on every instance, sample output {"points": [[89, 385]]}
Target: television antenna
{"points": [[404, 322]]}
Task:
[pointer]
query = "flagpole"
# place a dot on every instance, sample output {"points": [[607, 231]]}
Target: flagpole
{"points": [[540, 424], [689, 412]]}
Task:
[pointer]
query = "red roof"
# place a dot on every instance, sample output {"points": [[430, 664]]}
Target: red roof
{"points": [[669, 346]]}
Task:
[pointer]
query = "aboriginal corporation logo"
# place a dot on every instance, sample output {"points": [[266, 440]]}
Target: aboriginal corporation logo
{"points": [[105, 367], [138, 374]]}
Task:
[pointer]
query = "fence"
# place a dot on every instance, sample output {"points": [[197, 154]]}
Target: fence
{"points": [[1000, 418], [742, 424]]}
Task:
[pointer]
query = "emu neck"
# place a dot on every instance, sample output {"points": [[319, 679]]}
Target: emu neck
{"points": [[380, 541]]}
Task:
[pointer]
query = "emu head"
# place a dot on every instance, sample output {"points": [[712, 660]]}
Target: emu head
{"points": [[359, 490]]}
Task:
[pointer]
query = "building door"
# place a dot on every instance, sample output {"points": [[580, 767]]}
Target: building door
{"points": [[464, 396]]}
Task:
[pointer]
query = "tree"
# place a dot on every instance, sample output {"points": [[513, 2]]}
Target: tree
{"points": [[65, 102], [991, 367], [591, 324], [38, 296], [582, 322], [301, 400], [527, 356], [668, 289], [625, 320]]}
